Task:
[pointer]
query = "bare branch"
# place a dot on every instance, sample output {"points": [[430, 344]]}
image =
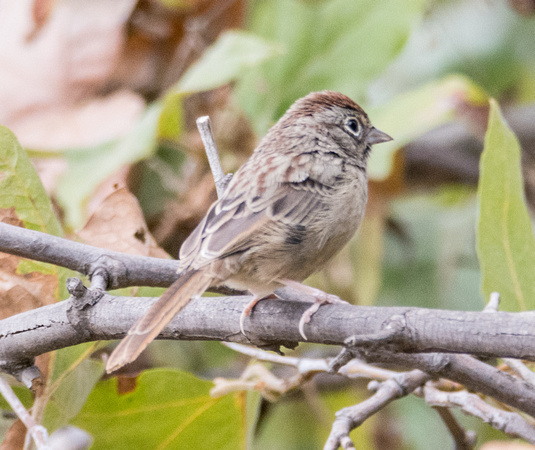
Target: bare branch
{"points": [[520, 368], [256, 378], [510, 423], [475, 375], [303, 365], [122, 270], [272, 322], [493, 304], [351, 417], [205, 129], [353, 369], [464, 440], [38, 432]]}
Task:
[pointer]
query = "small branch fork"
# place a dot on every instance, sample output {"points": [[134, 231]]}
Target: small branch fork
{"points": [[407, 337], [421, 383], [386, 385]]}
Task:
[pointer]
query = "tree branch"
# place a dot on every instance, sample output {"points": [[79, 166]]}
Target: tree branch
{"points": [[499, 334], [122, 270], [509, 422], [37, 432], [351, 417], [464, 440], [273, 321]]}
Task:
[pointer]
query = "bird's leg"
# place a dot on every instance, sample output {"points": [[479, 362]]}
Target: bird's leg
{"points": [[320, 299], [249, 309]]}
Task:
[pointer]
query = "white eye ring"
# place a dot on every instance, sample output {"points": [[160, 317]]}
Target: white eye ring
{"points": [[353, 126]]}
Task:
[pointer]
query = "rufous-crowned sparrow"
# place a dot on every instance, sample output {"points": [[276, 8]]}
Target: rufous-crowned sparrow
{"points": [[292, 206]]}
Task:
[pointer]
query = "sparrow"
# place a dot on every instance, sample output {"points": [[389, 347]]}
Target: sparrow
{"points": [[288, 210]]}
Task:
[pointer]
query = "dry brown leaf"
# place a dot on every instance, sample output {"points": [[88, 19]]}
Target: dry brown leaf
{"points": [[126, 384], [49, 84], [181, 217], [15, 436], [41, 11], [117, 180], [21, 292], [118, 224]]}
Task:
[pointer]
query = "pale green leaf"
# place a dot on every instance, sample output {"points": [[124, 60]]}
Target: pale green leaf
{"points": [[413, 113], [90, 166], [167, 409], [489, 42], [170, 124], [233, 53], [505, 242], [333, 44], [74, 377], [21, 188], [70, 376]]}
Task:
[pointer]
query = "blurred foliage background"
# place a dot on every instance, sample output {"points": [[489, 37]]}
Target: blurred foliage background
{"points": [[104, 96]]}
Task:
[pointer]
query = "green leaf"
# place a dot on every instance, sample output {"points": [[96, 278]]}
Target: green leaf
{"points": [[413, 113], [170, 124], [433, 248], [70, 377], [505, 242], [168, 409], [233, 53], [293, 424], [21, 188], [333, 44], [489, 43], [90, 166]]}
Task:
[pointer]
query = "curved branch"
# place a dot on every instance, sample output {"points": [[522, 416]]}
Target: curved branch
{"points": [[123, 270]]}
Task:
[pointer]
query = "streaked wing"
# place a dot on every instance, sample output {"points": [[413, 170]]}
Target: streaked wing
{"points": [[231, 225], [288, 190]]}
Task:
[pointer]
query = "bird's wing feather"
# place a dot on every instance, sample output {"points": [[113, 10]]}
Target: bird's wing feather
{"points": [[290, 192]]}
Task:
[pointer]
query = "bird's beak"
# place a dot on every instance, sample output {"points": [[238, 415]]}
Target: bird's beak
{"points": [[376, 136]]}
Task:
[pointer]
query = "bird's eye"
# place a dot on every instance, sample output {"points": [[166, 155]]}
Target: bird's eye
{"points": [[353, 126]]}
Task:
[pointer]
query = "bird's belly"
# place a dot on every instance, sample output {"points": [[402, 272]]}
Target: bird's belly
{"points": [[295, 251]]}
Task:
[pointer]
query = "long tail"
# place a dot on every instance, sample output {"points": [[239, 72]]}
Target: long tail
{"points": [[148, 326]]}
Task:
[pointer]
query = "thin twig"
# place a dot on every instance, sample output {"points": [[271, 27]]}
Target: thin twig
{"points": [[353, 369], [466, 370], [205, 129], [38, 432], [493, 304], [509, 422], [303, 365], [255, 378], [351, 417], [464, 440], [521, 369]]}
